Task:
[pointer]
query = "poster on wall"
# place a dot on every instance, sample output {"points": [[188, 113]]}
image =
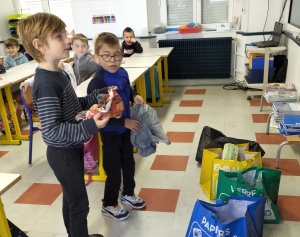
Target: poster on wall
{"points": [[104, 19]]}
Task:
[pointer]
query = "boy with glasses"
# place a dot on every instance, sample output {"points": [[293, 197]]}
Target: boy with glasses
{"points": [[117, 148]]}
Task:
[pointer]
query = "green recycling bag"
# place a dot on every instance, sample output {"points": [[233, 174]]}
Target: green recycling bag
{"points": [[253, 182]]}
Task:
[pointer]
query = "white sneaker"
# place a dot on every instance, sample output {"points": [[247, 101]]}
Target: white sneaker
{"points": [[115, 212], [133, 200]]}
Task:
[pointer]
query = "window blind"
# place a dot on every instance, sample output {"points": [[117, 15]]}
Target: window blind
{"points": [[179, 12], [214, 11], [31, 6], [62, 9]]}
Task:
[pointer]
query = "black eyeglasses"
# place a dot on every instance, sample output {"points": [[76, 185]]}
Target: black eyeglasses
{"points": [[107, 57]]}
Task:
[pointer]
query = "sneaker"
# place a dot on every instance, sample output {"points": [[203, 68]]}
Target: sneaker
{"points": [[115, 212], [133, 200], [95, 235]]}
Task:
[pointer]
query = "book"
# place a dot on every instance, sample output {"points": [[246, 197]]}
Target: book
{"points": [[280, 86], [291, 120]]}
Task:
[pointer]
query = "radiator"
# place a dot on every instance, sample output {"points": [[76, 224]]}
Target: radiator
{"points": [[199, 58]]}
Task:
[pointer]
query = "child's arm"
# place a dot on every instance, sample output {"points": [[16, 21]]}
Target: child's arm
{"points": [[137, 47], [8, 64]]}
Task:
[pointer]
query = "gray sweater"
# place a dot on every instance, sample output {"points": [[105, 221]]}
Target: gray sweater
{"points": [[84, 67]]}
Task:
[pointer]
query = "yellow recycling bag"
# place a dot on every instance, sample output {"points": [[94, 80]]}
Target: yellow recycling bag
{"points": [[212, 162]]}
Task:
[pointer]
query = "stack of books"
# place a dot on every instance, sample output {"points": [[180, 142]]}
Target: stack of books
{"points": [[290, 126], [284, 96], [285, 108]]}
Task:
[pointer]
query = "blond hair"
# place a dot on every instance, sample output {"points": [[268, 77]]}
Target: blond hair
{"points": [[105, 38], [81, 37], [11, 42], [38, 26]]}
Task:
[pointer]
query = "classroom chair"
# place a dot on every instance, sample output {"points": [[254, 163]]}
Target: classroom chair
{"points": [[27, 100]]}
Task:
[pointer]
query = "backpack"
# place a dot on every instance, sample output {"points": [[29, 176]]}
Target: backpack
{"points": [[281, 64], [91, 156], [2, 69]]}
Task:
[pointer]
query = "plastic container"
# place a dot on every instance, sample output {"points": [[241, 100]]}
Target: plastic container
{"points": [[259, 62], [18, 16], [257, 75], [159, 30], [188, 30]]}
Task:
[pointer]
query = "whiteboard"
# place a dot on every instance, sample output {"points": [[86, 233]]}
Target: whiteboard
{"points": [[89, 15]]}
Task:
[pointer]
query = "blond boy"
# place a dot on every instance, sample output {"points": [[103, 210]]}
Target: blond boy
{"points": [[84, 65], [45, 39]]}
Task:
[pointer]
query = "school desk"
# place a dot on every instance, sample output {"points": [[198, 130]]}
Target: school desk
{"points": [[6, 182], [149, 62], [164, 53]]}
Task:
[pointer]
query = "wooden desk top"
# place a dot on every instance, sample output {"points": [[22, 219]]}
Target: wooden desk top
{"points": [[140, 61], [148, 52], [7, 181]]}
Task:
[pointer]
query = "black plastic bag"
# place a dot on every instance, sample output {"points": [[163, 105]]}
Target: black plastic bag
{"points": [[15, 231], [212, 138]]}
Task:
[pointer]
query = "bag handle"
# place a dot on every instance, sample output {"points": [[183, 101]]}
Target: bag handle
{"points": [[240, 177]]}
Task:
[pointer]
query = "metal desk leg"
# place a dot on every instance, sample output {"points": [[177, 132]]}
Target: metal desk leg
{"points": [[12, 109], [261, 102], [7, 139], [166, 88], [268, 122], [4, 228], [278, 153], [153, 94]]}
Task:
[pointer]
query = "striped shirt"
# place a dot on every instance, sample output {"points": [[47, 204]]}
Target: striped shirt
{"points": [[57, 105]]}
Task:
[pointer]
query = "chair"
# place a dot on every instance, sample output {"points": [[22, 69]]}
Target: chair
{"points": [[27, 100]]}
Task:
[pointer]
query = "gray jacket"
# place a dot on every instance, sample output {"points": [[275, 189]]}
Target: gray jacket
{"points": [[84, 67], [150, 132]]}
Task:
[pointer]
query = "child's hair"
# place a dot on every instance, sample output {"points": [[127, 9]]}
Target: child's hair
{"points": [[38, 26], [129, 30], [11, 42], [105, 38], [81, 37]]}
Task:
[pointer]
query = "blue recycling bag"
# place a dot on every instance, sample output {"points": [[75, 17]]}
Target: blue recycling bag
{"points": [[239, 217]]}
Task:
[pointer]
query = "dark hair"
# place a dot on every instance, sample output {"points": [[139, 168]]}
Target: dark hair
{"points": [[11, 42], [129, 30], [105, 38]]}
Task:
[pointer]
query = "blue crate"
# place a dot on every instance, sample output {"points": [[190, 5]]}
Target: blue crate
{"points": [[258, 63], [257, 75]]}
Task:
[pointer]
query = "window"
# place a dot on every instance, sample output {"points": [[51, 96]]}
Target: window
{"points": [[60, 8], [179, 11], [214, 11]]}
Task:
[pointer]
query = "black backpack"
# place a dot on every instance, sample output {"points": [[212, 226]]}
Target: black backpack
{"points": [[2, 69], [281, 64]]}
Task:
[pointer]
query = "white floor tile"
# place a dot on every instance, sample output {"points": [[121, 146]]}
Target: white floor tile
{"points": [[164, 179]]}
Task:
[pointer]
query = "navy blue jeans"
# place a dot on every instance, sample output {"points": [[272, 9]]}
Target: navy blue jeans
{"points": [[67, 165]]}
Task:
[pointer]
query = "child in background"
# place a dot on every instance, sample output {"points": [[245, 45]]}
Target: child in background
{"points": [[44, 37], [130, 45], [117, 148], [84, 65], [14, 58]]}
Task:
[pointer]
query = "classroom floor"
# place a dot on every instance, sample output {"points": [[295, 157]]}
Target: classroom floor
{"points": [[168, 180]]}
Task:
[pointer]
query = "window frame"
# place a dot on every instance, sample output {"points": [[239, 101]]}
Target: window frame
{"points": [[197, 13]]}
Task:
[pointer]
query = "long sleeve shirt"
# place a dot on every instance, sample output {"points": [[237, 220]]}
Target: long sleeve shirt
{"points": [[10, 62], [57, 104], [128, 50]]}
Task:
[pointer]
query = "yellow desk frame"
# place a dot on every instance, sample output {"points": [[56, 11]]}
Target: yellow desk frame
{"points": [[166, 70]]}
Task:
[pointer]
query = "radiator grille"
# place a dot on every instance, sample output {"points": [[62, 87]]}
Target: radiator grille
{"points": [[199, 58]]}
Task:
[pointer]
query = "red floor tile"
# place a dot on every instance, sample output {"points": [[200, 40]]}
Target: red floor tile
{"points": [[3, 153], [193, 118], [184, 137], [160, 200], [26, 132], [272, 138], [287, 166], [195, 91], [260, 118], [257, 103], [191, 103], [173, 163], [289, 207], [40, 194]]}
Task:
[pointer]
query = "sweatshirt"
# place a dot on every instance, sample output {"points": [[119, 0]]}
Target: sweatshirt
{"points": [[10, 62], [128, 50], [84, 67]]}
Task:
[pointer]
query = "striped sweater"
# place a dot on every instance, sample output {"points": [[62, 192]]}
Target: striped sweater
{"points": [[57, 104]]}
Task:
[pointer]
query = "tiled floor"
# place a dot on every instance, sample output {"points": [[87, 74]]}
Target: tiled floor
{"points": [[167, 180]]}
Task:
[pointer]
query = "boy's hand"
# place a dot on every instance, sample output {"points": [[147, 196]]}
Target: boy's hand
{"points": [[113, 88], [138, 99], [24, 84], [133, 40], [133, 125], [100, 123]]}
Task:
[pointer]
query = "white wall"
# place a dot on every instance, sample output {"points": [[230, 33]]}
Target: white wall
{"points": [[6, 9], [153, 10]]}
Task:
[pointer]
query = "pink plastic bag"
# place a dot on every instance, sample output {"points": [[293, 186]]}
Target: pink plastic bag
{"points": [[91, 155]]}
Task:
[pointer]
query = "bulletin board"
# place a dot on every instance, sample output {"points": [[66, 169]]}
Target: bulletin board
{"points": [[95, 16]]}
